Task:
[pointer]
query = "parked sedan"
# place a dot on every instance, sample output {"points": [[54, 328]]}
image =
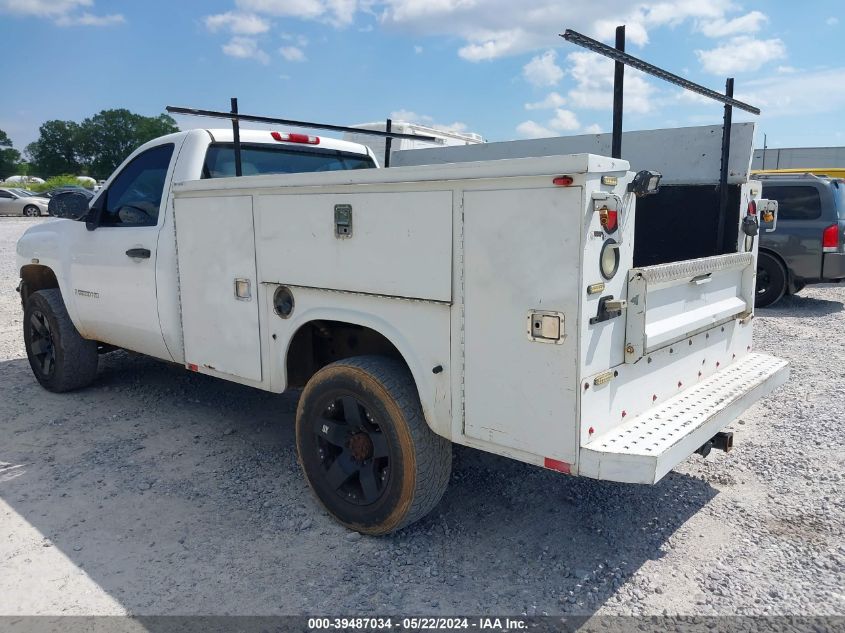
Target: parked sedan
{"points": [[15, 201]]}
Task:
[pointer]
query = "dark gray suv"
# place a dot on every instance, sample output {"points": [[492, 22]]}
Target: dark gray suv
{"points": [[808, 246]]}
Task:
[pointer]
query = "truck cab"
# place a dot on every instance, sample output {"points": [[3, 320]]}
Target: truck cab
{"points": [[116, 265]]}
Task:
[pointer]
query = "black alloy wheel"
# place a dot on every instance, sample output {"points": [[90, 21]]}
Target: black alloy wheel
{"points": [[41, 343], [352, 450]]}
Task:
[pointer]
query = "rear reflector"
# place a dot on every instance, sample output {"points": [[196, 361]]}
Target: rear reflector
{"points": [[553, 464], [295, 138], [752, 208], [193, 367], [563, 181], [830, 237]]}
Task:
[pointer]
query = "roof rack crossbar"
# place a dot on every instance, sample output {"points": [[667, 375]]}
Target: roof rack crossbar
{"points": [[235, 116], [629, 60]]}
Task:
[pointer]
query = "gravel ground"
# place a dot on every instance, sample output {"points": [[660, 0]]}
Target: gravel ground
{"points": [[159, 491]]}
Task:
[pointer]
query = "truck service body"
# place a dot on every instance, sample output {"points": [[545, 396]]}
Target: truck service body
{"points": [[496, 304]]}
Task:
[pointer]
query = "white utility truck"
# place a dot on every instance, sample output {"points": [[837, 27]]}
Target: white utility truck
{"points": [[498, 304]]}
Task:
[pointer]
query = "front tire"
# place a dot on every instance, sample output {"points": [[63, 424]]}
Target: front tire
{"points": [[771, 280], [59, 357], [31, 211], [365, 448]]}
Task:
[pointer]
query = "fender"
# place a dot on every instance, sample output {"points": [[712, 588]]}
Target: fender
{"points": [[45, 245], [434, 390]]}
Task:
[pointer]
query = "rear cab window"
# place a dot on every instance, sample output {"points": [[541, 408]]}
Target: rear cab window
{"points": [[258, 159], [795, 202]]}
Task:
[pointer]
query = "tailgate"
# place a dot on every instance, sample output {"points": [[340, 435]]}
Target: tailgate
{"points": [[670, 302]]}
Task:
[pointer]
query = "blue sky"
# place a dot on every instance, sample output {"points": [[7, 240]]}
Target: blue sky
{"points": [[495, 67]]}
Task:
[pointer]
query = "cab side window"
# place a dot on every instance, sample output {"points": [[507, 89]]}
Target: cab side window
{"points": [[134, 197], [795, 202]]}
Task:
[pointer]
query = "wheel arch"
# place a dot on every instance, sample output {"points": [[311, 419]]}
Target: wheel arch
{"points": [[372, 335], [35, 277]]}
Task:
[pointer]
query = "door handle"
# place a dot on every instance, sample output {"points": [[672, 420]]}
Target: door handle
{"points": [[138, 253]]}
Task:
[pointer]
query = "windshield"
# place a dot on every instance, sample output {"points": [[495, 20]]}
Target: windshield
{"points": [[26, 193], [282, 159]]}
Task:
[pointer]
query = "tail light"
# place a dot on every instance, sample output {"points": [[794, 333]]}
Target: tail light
{"points": [[830, 238], [752, 208], [295, 138], [609, 219]]}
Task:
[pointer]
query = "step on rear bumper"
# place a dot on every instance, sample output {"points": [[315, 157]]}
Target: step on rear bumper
{"points": [[648, 446]]}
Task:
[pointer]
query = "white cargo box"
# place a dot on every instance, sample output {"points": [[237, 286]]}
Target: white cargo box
{"points": [[485, 277]]}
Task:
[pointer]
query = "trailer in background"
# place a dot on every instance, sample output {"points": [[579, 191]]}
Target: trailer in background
{"points": [[385, 148]]}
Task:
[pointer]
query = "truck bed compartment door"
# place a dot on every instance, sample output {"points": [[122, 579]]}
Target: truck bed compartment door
{"points": [[217, 285], [670, 302], [521, 250]]}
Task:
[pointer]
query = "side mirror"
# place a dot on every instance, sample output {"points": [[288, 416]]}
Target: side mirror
{"points": [[645, 183], [70, 205]]}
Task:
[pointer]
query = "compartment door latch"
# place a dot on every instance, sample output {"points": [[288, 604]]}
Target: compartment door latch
{"points": [[546, 327], [609, 308], [343, 221]]}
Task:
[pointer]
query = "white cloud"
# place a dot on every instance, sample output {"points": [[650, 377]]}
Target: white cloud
{"points": [[493, 44], [744, 24], [245, 48], [564, 121], [635, 31], [89, 19], [809, 93], [418, 50], [689, 97], [787, 70], [43, 8], [336, 12], [832, 21], [542, 70], [490, 29], [531, 129], [552, 100], [241, 23], [409, 116], [307, 9], [496, 28], [292, 53], [741, 55], [594, 85], [60, 11], [595, 128]]}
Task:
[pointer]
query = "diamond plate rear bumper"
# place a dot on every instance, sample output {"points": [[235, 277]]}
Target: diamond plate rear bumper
{"points": [[647, 447]]}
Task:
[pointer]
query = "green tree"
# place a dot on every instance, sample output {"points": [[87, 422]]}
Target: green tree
{"points": [[108, 137], [10, 158], [55, 152]]}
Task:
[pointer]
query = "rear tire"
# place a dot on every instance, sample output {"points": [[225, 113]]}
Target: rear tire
{"points": [[31, 211], [365, 448], [771, 280], [59, 357]]}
